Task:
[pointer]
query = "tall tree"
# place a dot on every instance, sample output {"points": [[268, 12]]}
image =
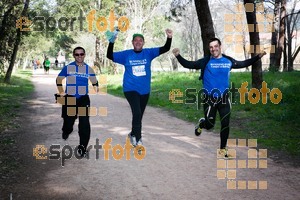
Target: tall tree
{"points": [[7, 30], [206, 23], [140, 13], [204, 19], [257, 78], [291, 21], [281, 39], [274, 40], [191, 32], [16, 46]]}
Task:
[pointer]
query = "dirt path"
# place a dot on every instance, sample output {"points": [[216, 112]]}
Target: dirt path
{"points": [[177, 164]]}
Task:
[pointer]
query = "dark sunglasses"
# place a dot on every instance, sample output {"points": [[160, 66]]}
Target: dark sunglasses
{"points": [[79, 54]]}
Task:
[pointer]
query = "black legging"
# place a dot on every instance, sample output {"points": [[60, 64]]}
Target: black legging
{"points": [[84, 128], [137, 104], [223, 106]]}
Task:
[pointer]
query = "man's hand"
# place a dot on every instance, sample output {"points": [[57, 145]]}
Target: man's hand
{"points": [[262, 54], [176, 52], [59, 98], [62, 94], [112, 36], [169, 33]]}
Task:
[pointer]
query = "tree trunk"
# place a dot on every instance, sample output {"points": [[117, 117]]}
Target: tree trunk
{"points": [[174, 64], [289, 44], [273, 66], [13, 57], [285, 56], [5, 17], [295, 54], [27, 60], [196, 54], [97, 61], [16, 47], [206, 23], [281, 39], [254, 40]]}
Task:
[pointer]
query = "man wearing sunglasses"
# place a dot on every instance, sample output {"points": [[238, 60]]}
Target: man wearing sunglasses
{"points": [[76, 97]]}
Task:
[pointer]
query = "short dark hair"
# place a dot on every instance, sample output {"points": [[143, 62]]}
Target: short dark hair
{"points": [[77, 48], [214, 39]]}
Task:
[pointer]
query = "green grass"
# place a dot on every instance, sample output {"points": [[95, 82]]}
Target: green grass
{"points": [[276, 126], [11, 97]]}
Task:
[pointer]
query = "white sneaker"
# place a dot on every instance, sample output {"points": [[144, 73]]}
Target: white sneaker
{"points": [[140, 146], [132, 139], [140, 142]]}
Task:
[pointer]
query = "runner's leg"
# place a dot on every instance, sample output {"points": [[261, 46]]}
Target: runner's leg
{"points": [[210, 111], [84, 128], [224, 111], [134, 100]]}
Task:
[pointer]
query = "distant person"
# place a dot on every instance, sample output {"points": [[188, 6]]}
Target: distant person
{"points": [[44, 65], [56, 63], [215, 74], [47, 65], [38, 63], [34, 64], [137, 77]]}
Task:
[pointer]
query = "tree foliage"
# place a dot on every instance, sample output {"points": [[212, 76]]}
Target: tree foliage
{"points": [[9, 10]]}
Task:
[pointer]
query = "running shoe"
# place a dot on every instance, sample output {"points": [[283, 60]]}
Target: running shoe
{"points": [[132, 139], [198, 129]]}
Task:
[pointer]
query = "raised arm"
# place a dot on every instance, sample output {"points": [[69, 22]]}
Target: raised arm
{"points": [[185, 63], [248, 62], [110, 53], [110, 48], [167, 45]]}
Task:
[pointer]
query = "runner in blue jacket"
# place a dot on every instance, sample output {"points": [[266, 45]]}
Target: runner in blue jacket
{"points": [[137, 77], [77, 102], [215, 73]]}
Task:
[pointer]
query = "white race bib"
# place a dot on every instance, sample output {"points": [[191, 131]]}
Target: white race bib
{"points": [[139, 70]]}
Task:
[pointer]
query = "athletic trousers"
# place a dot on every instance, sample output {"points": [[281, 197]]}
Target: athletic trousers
{"points": [[70, 111], [137, 104], [211, 107]]}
